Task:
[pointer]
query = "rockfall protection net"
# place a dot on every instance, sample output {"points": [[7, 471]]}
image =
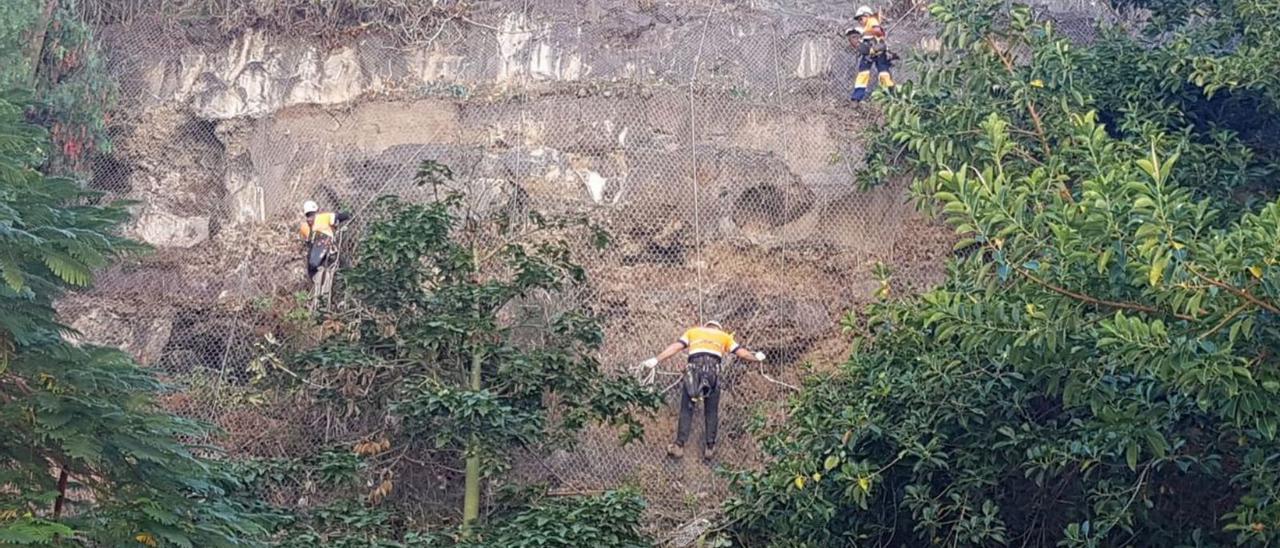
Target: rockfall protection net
{"points": [[712, 139]]}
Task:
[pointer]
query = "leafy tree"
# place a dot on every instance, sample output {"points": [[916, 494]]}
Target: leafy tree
{"points": [[1097, 370], [45, 46], [87, 455], [459, 339], [17, 58]]}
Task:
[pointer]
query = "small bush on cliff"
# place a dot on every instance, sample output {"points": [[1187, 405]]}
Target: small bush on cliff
{"points": [[86, 455], [1101, 372]]}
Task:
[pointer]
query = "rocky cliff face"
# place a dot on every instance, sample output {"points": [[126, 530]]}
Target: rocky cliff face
{"points": [[711, 138], [616, 106], [540, 48], [501, 83]]}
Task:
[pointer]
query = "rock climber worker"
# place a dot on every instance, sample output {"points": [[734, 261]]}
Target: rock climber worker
{"points": [[318, 228], [867, 36], [707, 346]]}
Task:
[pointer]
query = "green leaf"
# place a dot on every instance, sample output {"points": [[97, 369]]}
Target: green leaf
{"points": [[1156, 273], [1166, 168], [1148, 167], [1159, 447]]}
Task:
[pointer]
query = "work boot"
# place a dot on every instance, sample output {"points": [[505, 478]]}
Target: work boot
{"points": [[708, 452], [675, 451]]}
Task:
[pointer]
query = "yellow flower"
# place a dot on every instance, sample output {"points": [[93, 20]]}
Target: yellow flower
{"points": [[1037, 83]]}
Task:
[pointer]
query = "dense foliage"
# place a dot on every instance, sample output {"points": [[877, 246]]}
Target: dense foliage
{"points": [[46, 47], [1099, 369], [448, 347], [86, 453], [524, 518], [611, 519]]}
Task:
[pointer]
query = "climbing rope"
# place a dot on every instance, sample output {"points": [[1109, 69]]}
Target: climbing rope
{"points": [[648, 375], [786, 158], [693, 174]]}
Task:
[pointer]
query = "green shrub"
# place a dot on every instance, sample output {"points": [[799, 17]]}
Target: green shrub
{"points": [[1096, 371]]}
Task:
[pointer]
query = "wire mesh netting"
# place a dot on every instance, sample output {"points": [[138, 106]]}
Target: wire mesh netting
{"points": [[712, 139]]}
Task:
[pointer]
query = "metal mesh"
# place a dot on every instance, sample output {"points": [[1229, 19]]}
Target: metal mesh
{"points": [[712, 139]]}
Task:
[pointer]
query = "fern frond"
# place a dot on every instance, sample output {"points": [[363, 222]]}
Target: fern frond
{"points": [[29, 531], [12, 274], [67, 268]]}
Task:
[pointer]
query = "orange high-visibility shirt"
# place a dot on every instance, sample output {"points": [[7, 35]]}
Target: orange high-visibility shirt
{"points": [[322, 224], [707, 340]]}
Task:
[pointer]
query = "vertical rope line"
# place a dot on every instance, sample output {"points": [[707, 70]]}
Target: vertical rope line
{"points": [[786, 157], [522, 100], [693, 170]]}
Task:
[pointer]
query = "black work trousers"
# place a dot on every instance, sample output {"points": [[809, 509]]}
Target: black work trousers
{"points": [[317, 254], [880, 62], [701, 382]]}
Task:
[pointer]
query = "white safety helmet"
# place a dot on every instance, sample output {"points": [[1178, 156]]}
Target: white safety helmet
{"points": [[713, 323], [309, 207], [863, 11]]}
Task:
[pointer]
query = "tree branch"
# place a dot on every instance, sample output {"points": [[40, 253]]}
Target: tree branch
{"points": [[476, 24], [1099, 302], [35, 49], [18, 382], [1225, 320], [1031, 107], [62, 494], [573, 492], [1137, 488], [1235, 291]]}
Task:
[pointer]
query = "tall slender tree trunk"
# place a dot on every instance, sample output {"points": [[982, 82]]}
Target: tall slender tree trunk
{"points": [[62, 494], [35, 48], [471, 499]]}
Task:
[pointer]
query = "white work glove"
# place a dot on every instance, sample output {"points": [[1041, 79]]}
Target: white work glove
{"points": [[646, 371], [760, 356]]}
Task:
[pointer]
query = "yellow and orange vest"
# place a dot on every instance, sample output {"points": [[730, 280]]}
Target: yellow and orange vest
{"points": [[707, 340], [322, 224]]}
